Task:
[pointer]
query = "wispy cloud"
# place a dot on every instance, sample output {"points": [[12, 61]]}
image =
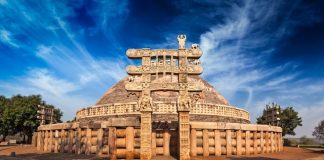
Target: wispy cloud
{"points": [[237, 54], [73, 77], [6, 38]]}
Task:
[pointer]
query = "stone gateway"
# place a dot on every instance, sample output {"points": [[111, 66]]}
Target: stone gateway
{"points": [[162, 108]]}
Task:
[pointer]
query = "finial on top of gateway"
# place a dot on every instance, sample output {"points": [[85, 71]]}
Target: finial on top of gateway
{"points": [[182, 41]]}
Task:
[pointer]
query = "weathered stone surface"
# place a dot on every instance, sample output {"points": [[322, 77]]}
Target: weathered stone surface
{"points": [[170, 117], [118, 94]]}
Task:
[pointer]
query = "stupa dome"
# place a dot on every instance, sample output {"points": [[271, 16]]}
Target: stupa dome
{"points": [[118, 94]]}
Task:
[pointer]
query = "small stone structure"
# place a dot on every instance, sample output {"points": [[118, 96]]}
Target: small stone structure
{"points": [[162, 108]]}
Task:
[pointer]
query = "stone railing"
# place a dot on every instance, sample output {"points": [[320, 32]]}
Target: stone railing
{"points": [[119, 138], [221, 110], [191, 86], [215, 139], [163, 108]]}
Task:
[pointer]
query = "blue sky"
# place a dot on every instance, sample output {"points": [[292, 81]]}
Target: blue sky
{"points": [[255, 52]]}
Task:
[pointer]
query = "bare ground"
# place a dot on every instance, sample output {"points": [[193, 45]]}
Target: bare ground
{"points": [[30, 153]]}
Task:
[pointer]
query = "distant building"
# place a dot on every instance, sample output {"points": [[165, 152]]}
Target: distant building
{"points": [[45, 115], [271, 114]]}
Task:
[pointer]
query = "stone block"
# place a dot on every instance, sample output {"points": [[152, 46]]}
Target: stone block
{"points": [[12, 141], [4, 143], [249, 127]]}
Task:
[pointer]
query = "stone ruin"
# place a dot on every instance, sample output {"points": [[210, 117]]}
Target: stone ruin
{"points": [[162, 108]]}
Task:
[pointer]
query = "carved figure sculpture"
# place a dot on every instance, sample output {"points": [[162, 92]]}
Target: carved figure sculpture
{"points": [[196, 62], [194, 46], [145, 101], [184, 101], [182, 41], [131, 79]]}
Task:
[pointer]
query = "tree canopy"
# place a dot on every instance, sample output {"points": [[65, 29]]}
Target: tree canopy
{"points": [[319, 131], [289, 120], [18, 114]]}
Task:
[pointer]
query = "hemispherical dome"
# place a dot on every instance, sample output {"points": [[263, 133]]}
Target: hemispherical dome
{"points": [[118, 94]]}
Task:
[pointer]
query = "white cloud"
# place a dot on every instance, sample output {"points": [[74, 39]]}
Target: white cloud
{"points": [[43, 80], [6, 38], [43, 51], [235, 61], [54, 90]]}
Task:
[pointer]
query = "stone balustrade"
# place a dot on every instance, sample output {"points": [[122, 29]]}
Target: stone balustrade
{"points": [[215, 139], [163, 108], [119, 138]]}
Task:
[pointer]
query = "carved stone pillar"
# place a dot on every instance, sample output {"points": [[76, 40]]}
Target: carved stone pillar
{"points": [[184, 105], [56, 141], [193, 144], [205, 143], [239, 142], [45, 140], [228, 142], [218, 147], [78, 141], [146, 136], [145, 104], [112, 143], [39, 140], [247, 142], [166, 142], [255, 142], [262, 142], [99, 141], [50, 141], [153, 143], [88, 141], [130, 142], [184, 129]]}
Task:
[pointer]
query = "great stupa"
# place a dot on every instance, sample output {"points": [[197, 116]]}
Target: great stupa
{"points": [[163, 108]]}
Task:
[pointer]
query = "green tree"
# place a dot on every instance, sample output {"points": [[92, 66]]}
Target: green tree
{"points": [[25, 109], [319, 131], [18, 114], [6, 119], [289, 120], [306, 141]]}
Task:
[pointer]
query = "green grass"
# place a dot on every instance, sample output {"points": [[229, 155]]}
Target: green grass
{"points": [[311, 146]]}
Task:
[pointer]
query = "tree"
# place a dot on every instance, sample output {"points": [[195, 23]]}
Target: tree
{"points": [[18, 114], [289, 120], [25, 109], [319, 131], [306, 141], [5, 122]]}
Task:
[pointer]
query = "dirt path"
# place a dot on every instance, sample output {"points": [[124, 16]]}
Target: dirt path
{"points": [[28, 152]]}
